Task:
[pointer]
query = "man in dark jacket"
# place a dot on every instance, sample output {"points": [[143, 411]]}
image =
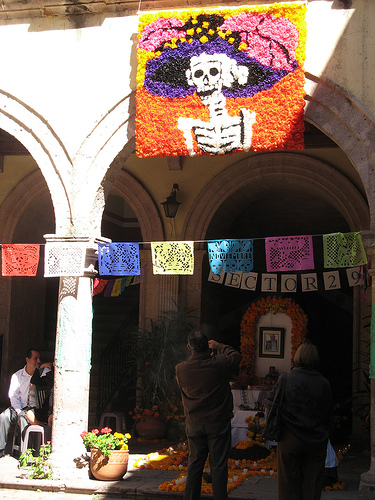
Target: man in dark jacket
{"points": [[208, 404]]}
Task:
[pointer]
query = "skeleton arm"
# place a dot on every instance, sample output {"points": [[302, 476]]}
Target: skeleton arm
{"points": [[186, 127]]}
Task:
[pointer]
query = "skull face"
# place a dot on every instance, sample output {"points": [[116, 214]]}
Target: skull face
{"points": [[206, 74]]}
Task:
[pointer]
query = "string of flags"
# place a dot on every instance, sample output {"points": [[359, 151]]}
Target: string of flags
{"points": [[231, 256]]}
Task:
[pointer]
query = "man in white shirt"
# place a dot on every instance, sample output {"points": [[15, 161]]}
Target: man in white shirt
{"points": [[22, 396]]}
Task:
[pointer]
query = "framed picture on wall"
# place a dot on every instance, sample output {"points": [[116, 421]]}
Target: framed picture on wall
{"points": [[271, 342]]}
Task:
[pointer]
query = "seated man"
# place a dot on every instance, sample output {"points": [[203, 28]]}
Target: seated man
{"points": [[22, 397], [42, 380]]}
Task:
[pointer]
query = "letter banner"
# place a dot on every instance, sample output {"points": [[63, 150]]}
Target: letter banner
{"points": [[230, 255], [220, 80], [286, 283], [176, 257], [19, 259], [289, 253], [343, 250], [119, 259]]}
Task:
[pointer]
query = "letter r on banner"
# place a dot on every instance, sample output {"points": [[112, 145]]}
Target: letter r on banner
{"points": [[309, 282]]}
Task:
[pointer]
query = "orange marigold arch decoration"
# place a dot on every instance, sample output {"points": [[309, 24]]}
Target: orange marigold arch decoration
{"points": [[249, 327]]}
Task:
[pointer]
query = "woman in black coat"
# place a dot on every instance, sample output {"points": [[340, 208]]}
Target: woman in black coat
{"points": [[305, 416]]}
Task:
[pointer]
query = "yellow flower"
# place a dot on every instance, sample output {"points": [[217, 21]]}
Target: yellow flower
{"points": [[203, 39]]}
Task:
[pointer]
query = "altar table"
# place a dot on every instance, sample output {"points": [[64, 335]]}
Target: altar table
{"points": [[247, 398]]}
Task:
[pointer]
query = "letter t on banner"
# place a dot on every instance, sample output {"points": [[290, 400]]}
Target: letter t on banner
{"points": [[269, 282]]}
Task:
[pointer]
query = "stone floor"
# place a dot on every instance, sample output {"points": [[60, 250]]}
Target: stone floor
{"points": [[143, 484]]}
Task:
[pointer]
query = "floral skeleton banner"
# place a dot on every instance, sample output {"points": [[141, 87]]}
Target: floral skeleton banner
{"points": [[216, 81], [289, 253], [230, 255]]}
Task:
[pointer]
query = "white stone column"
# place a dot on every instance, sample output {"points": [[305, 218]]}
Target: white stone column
{"points": [[72, 364]]}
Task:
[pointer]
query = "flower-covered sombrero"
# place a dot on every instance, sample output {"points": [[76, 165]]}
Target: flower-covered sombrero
{"points": [[220, 81]]}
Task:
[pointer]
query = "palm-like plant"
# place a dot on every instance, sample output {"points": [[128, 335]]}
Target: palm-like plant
{"points": [[154, 356]]}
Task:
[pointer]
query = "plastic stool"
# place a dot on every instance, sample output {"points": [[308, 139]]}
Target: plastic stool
{"points": [[32, 428], [118, 417], [16, 441]]}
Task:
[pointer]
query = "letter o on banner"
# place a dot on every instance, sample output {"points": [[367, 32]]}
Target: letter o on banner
{"points": [[289, 283]]}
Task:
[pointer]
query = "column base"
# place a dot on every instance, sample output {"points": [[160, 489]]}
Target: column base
{"points": [[367, 486], [65, 469]]}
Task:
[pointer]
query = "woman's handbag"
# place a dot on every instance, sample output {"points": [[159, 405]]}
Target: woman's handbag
{"points": [[272, 428]]}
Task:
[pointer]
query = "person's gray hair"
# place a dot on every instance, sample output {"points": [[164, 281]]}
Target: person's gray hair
{"points": [[307, 356], [198, 341]]}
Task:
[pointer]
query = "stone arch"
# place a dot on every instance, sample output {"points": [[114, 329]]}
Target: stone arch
{"points": [[31, 188], [34, 132], [142, 205], [99, 160], [155, 290], [344, 119], [310, 174], [328, 107]]}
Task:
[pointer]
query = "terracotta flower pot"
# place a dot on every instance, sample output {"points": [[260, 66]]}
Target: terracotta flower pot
{"points": [[109, 468], [149, 427]]}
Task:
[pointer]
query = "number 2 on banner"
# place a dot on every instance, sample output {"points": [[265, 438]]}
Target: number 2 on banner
{"points": [[332, 280]]}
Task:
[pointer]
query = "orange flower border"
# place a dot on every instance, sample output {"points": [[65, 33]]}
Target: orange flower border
{"points": [[249, 327]]}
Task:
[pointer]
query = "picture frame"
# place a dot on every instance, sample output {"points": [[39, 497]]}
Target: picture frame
{"points": [[271, 342]]}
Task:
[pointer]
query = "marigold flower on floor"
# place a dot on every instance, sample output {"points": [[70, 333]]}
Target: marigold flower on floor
{"points": [[175, 458]]}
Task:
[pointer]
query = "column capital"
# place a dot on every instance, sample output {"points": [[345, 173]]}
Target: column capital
{"points": [[368, 238]]}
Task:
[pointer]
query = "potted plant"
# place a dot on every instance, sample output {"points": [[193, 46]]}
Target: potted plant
{"points": [[154, 357], [109, 453]]}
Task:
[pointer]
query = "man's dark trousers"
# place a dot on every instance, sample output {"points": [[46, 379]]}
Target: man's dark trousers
{"points": [[213, 439]]}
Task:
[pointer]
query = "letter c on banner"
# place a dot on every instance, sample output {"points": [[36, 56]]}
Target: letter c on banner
{"points": [[249, 281]]}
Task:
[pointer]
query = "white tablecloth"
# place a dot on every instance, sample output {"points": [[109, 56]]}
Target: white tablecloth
{"points": [[245, 397]]}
